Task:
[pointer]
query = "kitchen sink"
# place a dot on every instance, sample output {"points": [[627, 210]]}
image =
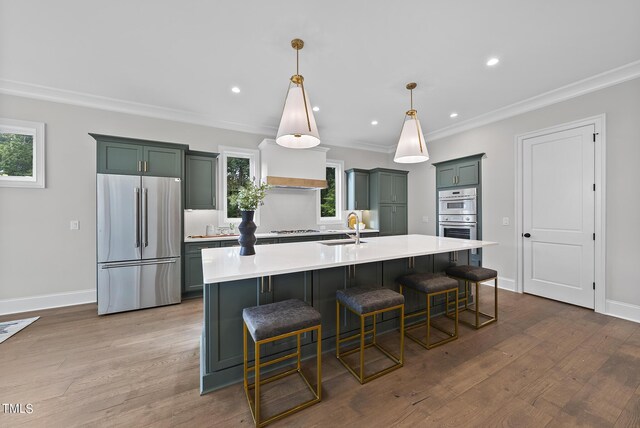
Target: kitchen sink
{"points": [[340, 242]]}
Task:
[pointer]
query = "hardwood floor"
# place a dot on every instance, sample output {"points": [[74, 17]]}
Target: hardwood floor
{"points": [[543, 364]]}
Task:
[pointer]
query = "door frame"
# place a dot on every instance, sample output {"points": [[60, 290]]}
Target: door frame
{"points": [[600, 202]]}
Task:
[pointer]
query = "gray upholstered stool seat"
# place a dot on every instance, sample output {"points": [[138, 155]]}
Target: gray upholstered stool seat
{"points": [[430, 285], [476, 275], [471, 273], [427, 282], [365, 300], [279, 318]]}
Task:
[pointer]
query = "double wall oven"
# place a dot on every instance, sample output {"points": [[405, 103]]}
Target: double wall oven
{"points": [[458, 215]]}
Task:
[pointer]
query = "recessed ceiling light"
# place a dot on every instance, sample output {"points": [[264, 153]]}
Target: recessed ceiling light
{"points": [[454, 114], [235, 90], [492, 62], [316, 108], [374, 122]]}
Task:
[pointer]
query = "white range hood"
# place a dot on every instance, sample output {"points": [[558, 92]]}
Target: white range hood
{"points": [[293, 168]]}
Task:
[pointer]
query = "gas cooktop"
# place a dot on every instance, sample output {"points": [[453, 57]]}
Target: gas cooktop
{"points": [[290, 232]]}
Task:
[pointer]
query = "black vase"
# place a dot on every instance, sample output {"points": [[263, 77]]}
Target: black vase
{"points": [[247, 237]]}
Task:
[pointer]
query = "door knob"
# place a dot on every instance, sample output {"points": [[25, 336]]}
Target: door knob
{"points": [[526, 235]]}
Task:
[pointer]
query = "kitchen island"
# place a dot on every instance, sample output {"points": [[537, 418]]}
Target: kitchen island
{"points": [[312, 272]]}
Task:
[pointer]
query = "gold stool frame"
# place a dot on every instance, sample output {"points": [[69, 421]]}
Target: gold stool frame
{"points": [[255, 404], [399, 361], [426, 343], [476, 305]]}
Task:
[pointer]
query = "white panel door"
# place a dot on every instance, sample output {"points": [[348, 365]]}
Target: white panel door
{"points": [[558, 216]]}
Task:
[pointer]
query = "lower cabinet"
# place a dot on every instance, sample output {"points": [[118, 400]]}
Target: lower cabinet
{"points": [[193, 265]]}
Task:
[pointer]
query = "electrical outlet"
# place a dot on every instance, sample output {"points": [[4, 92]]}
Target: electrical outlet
{"points": [[74, 225], [425, 219], [505, 221]]}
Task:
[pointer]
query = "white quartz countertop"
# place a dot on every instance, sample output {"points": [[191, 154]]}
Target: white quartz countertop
{"points": [[280, 235], [226, 264]]}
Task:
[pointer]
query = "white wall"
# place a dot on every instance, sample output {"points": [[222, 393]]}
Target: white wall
{"points": [[39, 255], [621, 104]]}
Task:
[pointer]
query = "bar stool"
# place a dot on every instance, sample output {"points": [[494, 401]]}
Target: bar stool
{"points": [[475, 275], [430, 285], [269, 323], [367, 302]]}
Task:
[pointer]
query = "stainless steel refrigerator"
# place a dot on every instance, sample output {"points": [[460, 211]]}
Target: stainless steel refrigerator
{"points": [[139, 233]]}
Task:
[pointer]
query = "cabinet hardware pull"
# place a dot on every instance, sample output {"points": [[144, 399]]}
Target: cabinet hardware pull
{"points": [[262, 284], [270, 289], [146, 166]]}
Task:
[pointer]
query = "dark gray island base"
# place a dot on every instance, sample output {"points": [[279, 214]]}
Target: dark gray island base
{"points": [[221, 342], [311, 272]]}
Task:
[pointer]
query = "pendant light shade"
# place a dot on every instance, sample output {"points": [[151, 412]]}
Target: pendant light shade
{"points": [[298, 129], [412, 147]]}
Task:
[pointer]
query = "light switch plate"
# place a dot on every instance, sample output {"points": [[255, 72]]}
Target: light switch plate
{"points": [[74, 225], [505, 221]]}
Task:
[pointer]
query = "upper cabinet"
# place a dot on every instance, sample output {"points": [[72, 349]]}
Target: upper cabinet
{"points": [[127, 156], [200, 180], [357, 189], [458, 172], [391, 185]]}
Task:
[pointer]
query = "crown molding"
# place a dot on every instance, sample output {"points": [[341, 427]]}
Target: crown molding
{"points": [[599, 81], [45, 93]]}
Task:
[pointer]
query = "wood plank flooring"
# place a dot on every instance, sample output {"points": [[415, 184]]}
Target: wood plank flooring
{"points": [[544, 363]]}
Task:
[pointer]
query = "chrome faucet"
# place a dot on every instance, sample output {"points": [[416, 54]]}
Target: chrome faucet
{"points": [[357, 235]]}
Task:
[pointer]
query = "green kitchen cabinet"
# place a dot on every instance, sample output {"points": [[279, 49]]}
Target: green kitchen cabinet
{"points": [[388, 211], [325, 284], [225, 323], [357, 189], [458, 172], [200, 180], [224, 303], [193, 265], [129, 156], [162, 161], [120, 158], [390, 186], [392, 219]]}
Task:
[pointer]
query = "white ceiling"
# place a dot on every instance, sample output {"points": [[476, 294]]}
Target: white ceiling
{"points": [[184, 56]]}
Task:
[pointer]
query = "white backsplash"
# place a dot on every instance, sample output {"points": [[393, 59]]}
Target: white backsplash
{"points": [[283, 209]]}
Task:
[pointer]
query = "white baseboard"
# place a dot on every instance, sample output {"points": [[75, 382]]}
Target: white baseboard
{"points": [[503, 284], [622, 310], [46, 301]]}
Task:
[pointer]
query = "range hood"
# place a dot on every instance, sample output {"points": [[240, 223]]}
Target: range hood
{"points": [[293, 168]]}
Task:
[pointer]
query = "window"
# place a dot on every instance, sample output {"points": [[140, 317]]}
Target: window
{"points": [[238, 168], [21, 153], [330, 199]]}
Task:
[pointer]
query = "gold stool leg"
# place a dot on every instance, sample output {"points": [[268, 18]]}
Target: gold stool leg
{"points": [[319, 364], [402, 335], [428, 319], [477, 305], [362, 318], [338, 329], [495, 301], [257, 383], [456, 325]]}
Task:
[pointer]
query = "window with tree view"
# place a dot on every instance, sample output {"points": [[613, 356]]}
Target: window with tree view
{"points": [[328, 195], [238, 174], [16, 155]]}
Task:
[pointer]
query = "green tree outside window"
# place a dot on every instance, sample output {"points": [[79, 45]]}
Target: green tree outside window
{"points": [[328, 195], [16, 155], [238, 174]]}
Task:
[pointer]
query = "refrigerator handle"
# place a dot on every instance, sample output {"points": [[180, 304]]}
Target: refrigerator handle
{"points": [[136, 195], [146, 217]]}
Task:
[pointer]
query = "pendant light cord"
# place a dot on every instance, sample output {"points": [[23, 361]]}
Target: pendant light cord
{"points": [[304, 95]]}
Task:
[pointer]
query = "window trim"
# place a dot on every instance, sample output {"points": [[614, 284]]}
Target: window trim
{"points": [[339, 166], [36, 129], [254, 168]]}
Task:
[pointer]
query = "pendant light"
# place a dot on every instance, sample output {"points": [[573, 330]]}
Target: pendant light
{"points": [[411, 146], [297, 128]]}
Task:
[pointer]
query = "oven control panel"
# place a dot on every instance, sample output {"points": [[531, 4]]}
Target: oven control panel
{"points": [[463, 218]]}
